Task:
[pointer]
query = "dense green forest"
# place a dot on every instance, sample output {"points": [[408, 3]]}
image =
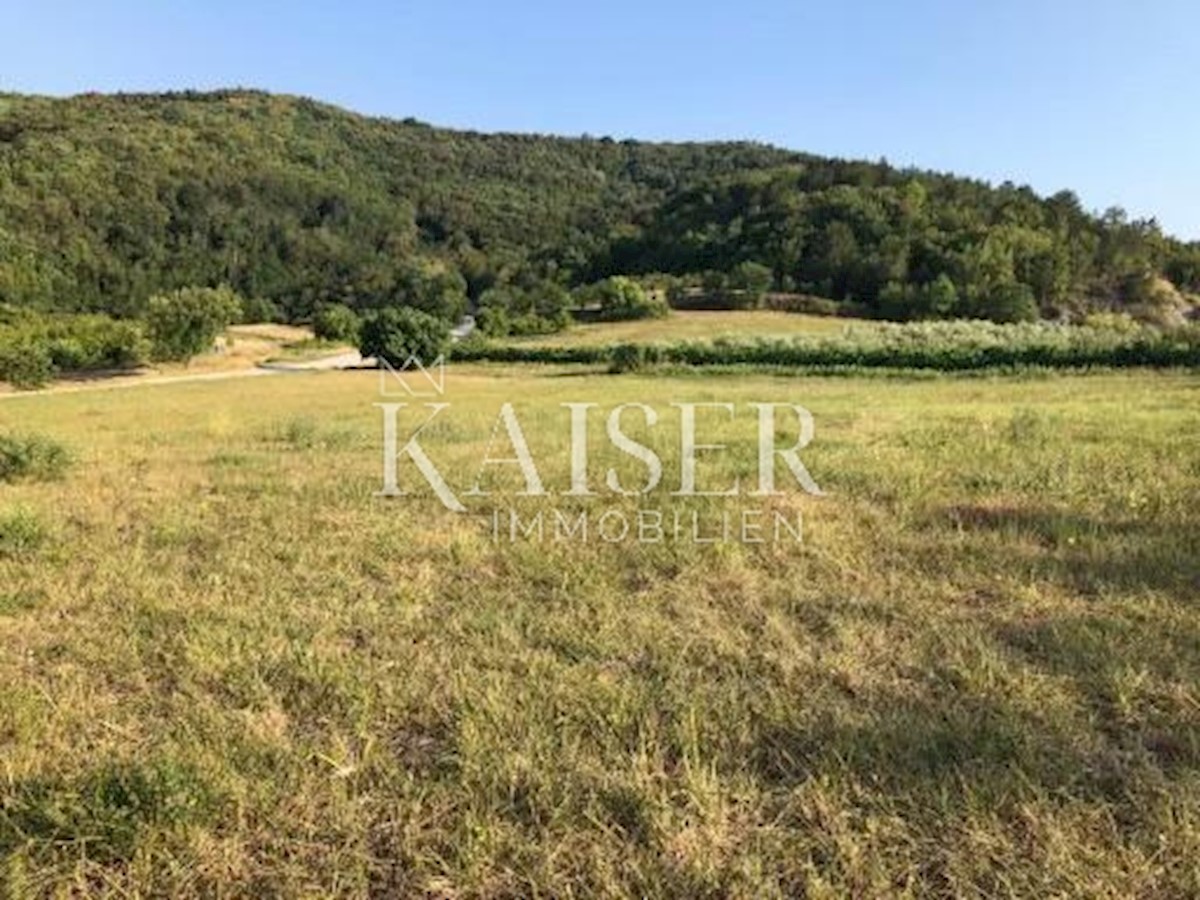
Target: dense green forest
{"points": [[106, 200]]}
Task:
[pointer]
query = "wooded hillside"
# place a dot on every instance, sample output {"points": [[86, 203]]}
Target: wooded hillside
{"points": [[107, 200]]}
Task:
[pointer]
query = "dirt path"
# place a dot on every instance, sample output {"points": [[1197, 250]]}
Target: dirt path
{"points": [[348, 360]]}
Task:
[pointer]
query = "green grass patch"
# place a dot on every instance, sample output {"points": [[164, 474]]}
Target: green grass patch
{"points": [[102, 815], [22, 532], [32, 458]]}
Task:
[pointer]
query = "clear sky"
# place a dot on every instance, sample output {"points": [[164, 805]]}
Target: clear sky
{"points": [[1100, 96]]}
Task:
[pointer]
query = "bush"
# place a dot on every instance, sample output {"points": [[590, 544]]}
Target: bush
{"points": [[620, 298], [805, 304], [1122, 322], [627, 358], [88, 343], [632, 357], [258, 310], [701, 300], [938, 299], [34, 347], [395, 334], [186, 322], [31, 458], [493, 321], [746, 286], [1006, 303], [539, 308], [335, 322], [25, 363], [752, 279]]}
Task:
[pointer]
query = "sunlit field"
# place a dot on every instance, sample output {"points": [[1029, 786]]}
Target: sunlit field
{"points": [[684, 325], [228, 668]]}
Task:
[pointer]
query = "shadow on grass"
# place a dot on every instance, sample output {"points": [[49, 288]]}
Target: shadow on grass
{"points": [[103, 814], [924, 746], [1086, 554], [1132, 672]]}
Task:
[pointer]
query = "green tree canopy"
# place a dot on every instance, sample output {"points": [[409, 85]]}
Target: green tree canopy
{"points": [[186, 322], [396, 334]]}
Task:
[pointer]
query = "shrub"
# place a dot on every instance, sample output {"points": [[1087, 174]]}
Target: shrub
{"points": [[395, 334], [34, 350], [700, 300], [1122, 322], [34, 347], [804, 303], [538, 308], [620, 298], [31, 458], [752, 279], [632, 357], [746, 286], [531, 323], [25, 363], [1012, 302], [257, 310], [186, 322], [938, 299], [493, 321], [83, 343], [627, 358], [335, 322], [1154, 300]]}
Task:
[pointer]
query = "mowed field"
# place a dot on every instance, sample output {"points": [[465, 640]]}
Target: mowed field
{"points": [[227, 668], [684, 325]]}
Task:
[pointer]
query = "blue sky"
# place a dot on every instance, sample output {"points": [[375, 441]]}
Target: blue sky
{"points": [[1096, 96]]}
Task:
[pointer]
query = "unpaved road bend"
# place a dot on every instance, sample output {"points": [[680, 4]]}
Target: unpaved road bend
{"points": [[351, 360]]}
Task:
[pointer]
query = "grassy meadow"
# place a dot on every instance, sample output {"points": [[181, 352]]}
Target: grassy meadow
{"points": [[227, 668], [683, 325]]}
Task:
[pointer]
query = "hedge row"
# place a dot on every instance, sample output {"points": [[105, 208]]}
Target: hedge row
{"points": [[34, 348], [942, 346]]}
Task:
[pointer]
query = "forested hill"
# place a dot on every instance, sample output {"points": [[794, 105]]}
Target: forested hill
{"points": [[107, 199]]}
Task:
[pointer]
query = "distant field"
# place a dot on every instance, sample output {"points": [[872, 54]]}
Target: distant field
{"points": [[692, 325], [228, 668]]}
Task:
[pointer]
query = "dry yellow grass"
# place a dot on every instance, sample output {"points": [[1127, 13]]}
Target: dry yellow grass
{"points": [[229, 669], [683, 325]]}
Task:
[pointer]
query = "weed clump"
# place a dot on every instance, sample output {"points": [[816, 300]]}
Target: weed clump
{"points": [[32, 458], [21, 533]]}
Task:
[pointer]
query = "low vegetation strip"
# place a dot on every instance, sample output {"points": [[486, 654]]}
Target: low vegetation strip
{"points": [[37, 346], [34, 347], [942, 346]]}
